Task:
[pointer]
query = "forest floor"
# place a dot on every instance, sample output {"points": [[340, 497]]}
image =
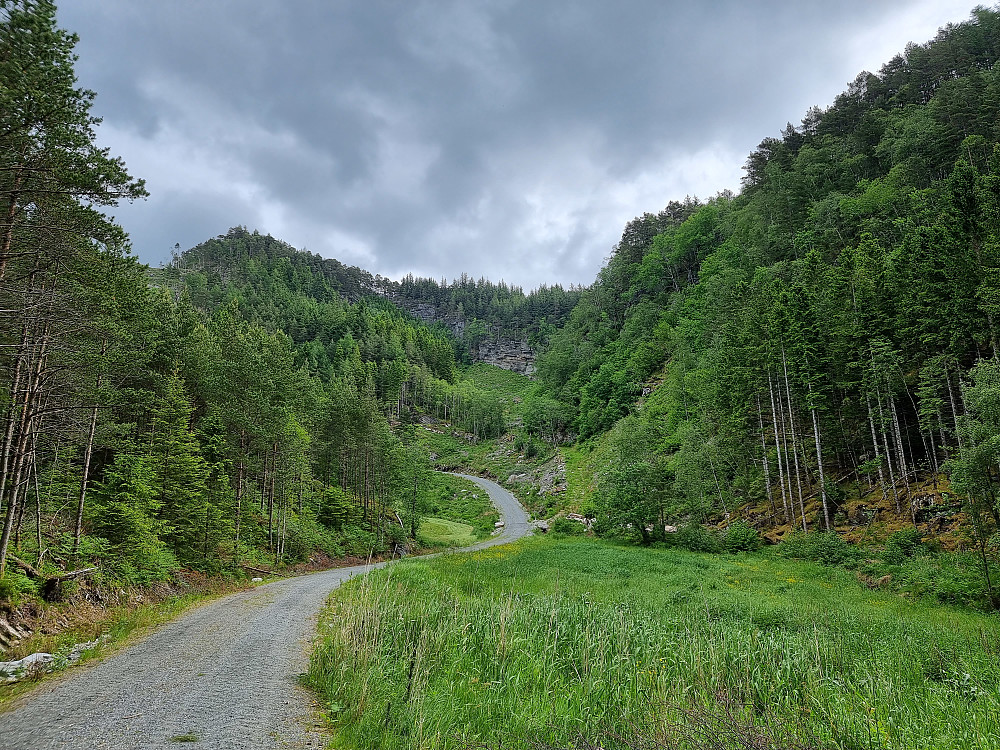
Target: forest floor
{"points": [[225, 675]]}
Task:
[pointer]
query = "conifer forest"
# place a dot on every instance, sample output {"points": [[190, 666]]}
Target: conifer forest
{"points": [[806, 369]]}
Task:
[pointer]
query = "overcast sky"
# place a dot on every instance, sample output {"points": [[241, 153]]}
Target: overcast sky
{"points": [[510, 139]]}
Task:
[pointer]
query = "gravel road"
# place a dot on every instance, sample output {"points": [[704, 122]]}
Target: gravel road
{"points": [[224, 675], [514, 516]]}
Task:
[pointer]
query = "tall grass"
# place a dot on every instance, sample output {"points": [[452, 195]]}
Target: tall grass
{"points": [[579, 642]]}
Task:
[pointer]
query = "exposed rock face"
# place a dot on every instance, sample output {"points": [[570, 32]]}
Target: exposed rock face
{"points": [[549, 478], [504, 353], [515, 356]]}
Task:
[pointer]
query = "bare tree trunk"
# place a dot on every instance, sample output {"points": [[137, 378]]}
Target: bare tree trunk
{"points": [[888, 453], [718, 487], [904, 468], [38, 499], [12, 206], [13, 411], [878, 453], [778, 448], [12, 504], [239, 499], [19, 448], [819, 462], [954, 409], [763, 449], [87, 455], [795, 449], [270, 499], [928, 439]]}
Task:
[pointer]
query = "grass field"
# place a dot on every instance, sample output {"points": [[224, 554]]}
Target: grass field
{"points": [[449, 499], [440, 532], [579, 643], [582, 466]]}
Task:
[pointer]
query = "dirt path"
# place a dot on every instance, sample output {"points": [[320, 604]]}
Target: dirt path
{"points": [[224, 675]]}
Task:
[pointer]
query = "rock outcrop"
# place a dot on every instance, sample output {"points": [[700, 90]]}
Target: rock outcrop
{"points": [[504, 353], [515, 356]]}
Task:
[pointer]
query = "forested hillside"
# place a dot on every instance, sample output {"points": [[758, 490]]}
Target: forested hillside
{"points": [[234, 406], [817, 352], [830, 333]]}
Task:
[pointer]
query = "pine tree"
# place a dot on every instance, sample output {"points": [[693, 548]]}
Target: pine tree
{"points": [[180, 473]]}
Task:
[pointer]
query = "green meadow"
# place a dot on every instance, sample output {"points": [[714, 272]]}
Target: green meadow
{"points": [[578, 643], [440, 532]]}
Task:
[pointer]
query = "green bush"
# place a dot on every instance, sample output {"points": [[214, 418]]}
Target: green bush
{"points": [[568, 526], [952, 577], [696, 538], [14, 586], [742, 537], [902, 545], [396, 534], [304, 534], [820, 546], [360, 543]]}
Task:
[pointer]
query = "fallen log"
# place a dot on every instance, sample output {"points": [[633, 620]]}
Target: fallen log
{"points": [[264, 572], [50, 584]]}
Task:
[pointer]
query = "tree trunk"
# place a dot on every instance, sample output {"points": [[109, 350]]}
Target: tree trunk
{"points": [[904, 468], [888, 453], [763, 449], [819, 462], [878, 453], [38, 498], [87, 455], [778, 447], [270, 499], [954, 409], [795, 445], [239, 499]]}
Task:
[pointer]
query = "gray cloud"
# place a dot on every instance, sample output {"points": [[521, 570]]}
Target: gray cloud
{"points": [[507, 138]]}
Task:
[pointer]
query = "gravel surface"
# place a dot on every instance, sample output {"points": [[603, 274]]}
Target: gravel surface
{"points": [[514, 516], [224, 675]]}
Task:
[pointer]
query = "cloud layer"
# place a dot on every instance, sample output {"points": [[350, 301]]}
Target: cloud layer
{"points": [[507, 138]]}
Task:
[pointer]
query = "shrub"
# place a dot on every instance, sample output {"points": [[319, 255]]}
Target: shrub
{"points": [[304, 534], [742, 537], [902, 545], [822, 546], [13, 586], [360, 542], [696, 538], [568, 526]]}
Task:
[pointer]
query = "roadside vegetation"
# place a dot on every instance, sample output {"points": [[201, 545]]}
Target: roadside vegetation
{"points": [[582, 643], [458, 512]]}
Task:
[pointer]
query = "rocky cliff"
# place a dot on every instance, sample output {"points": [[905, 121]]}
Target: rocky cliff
{"points": [[506, 353]]}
